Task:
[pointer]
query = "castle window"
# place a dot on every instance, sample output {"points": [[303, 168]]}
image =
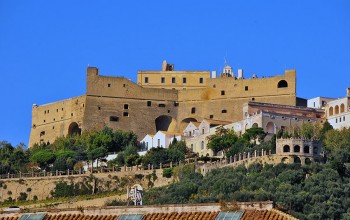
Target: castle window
{"points": [[42, 133], [113, 118], [222, 92], [56, 110], [176, 104], [83, 106], [44, 120], [62, 108], [124, 85], [126, 106], [161, 105], [54, 119], [214, 86], [109, 85], [286, 148], [184, 80], [53, 127], [246, 88], [45, 112], [224, 111], [282, 84], [146, 79], [149, 103], [99, 107], [253, 99], [173, 80], [126, 114], [193, 110], [201, 80], [211, 116], [162, 80], [71, 114]]}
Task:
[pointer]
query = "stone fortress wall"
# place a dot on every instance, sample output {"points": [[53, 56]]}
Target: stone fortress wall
{"points": [[122, 104]]}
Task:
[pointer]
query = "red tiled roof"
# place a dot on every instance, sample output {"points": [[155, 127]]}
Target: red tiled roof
{"points": [[182, 216]]}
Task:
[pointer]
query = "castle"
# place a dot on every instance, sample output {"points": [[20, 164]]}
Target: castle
{"points": [[161, 100]]}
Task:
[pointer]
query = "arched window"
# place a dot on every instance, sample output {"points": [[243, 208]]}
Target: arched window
{"points": [[297, 148], [286, 148], [282, 84], [342, 108], [202, 145], [330, 111], [336, 110], [306, 149]]}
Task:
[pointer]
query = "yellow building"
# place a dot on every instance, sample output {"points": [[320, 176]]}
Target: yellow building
{"points": [[119, 103]]}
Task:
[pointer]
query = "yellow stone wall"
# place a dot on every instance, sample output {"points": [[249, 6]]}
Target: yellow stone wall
{"points": [[106, 97]]}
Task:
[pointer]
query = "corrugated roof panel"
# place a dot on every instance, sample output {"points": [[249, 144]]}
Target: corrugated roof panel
{"points": [[39, 216], [230, 215], [130, 217]]}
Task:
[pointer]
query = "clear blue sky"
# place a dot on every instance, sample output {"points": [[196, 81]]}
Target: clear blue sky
{"points": [[45, 46]]}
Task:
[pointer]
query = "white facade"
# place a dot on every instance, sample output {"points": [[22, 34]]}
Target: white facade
{"points": [[192, 129], [164, 138], [147, 142], [338, 112], [318, 102]]}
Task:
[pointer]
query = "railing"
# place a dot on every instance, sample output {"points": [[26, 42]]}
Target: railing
{"points": [[68, 172]]}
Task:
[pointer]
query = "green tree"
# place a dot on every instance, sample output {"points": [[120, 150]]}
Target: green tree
{"points": [[222, 140]]}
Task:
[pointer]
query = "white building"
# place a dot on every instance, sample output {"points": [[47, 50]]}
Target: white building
{"points": [[164, 138], [338, 112], [147, 142], [318, 102]]}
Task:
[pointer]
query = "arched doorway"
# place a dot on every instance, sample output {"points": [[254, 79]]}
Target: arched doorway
{"points": [[255, 125], [307, 161], [165, 123], [270, 128], [297, 160], [185, 122], [74, 129], [285, 160]]}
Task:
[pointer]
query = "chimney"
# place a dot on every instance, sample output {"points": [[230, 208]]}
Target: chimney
{"points": [[213, 74], [240, 74], [164, 65]]}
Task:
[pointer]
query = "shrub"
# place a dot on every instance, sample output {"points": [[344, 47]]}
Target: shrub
{"points": [[167, 172]]}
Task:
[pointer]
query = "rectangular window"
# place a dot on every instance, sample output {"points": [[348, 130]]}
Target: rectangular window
{"points": [[158, 143], [190, 133], [109, 85], [126, 114], [161, 105], [246, 88], [163, 80], [146, 79], [193, 110], [184, 80], [149, 103], [126, 106], [202, 130], [113, 118], [173, 80], [202, 145], [201, 80], [222, 92], [211, 116], [224, 111], [176, 104]]}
